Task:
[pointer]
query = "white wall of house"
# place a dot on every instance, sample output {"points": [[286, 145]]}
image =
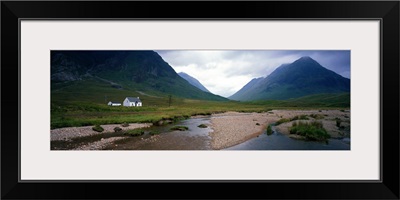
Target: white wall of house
{"points": [[127, 102], [139, 104]]}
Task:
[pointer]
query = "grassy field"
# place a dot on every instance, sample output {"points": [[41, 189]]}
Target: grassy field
{"points": [[68, 111]]}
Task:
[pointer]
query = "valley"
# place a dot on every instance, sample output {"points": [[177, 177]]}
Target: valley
{"points": [[83, 82]]}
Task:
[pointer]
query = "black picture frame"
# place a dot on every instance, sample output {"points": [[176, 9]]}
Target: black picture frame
{"points": [[386, 11]]}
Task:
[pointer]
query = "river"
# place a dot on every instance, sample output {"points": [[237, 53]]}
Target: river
{"points": [[198, 139]]}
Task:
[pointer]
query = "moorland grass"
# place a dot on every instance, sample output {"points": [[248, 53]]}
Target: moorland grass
{"points": [[311, 131], [179, 128], [70, 113], [269, 130]]}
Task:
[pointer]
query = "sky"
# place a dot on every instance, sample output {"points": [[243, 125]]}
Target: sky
{"points": [[225, 72]]}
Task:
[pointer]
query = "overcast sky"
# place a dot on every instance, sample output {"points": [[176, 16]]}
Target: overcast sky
{"points": [[226, 72]]}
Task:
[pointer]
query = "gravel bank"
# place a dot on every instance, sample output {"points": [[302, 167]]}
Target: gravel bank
{"points": [[233, 128], [99, 145], [73, 132]]}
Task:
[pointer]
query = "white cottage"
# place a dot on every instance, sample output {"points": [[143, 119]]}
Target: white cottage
{"points": [[113, 103], [132, 101]]}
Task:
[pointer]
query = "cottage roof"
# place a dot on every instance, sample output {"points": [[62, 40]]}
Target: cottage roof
{"points": [[133, 99]]}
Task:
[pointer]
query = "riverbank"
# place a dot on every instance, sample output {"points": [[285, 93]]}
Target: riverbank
{"points": [[66, 134], [232, 128], [225, 130]]}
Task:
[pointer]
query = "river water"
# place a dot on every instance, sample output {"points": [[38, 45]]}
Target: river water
{"points": [[278, 141], [194, 139]]}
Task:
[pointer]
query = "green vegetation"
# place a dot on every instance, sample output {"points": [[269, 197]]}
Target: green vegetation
{"points": [[281, 121], [179, 128], [318, 101], [301, 117], [284, 120], [317, 116], [202, 126], [311, 131], [154, 132], [77, 108], [134, 132], [269, 130], [98, 128]]}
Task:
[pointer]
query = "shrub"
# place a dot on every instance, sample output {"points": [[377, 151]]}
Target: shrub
{"points": [[338, 121], [301, 117], [98, 128], [311, 131], [154, 132], [269, 130], [124, 124], [179, 128], [317, 116], [281, 121], [202, 126], [134, 132], [117, 129]]}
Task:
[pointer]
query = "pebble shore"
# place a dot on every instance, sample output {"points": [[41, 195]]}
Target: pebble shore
{"points": [[99, 145], [232, 128], [73, 132]]}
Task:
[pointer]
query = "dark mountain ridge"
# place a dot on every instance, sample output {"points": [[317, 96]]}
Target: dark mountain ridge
{"points": [[135, 70], [304, 76]]}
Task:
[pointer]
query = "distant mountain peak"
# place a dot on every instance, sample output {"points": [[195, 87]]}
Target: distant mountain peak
{"points": [[306, 59]]}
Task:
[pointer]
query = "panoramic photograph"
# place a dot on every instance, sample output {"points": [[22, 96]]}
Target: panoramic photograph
{"points": [[200, 100]]}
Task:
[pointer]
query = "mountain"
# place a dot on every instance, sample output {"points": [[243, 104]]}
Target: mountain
{"points": [[304, 76], [248, 87], [192, 81], [89, 75]]}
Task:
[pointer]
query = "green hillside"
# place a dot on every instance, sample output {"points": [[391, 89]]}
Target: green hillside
{"points": [[122, 73]]}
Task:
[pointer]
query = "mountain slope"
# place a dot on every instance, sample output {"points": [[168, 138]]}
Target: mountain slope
{"points": [[119, 72], [243, 91], [192, 81], [303, 77]]}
